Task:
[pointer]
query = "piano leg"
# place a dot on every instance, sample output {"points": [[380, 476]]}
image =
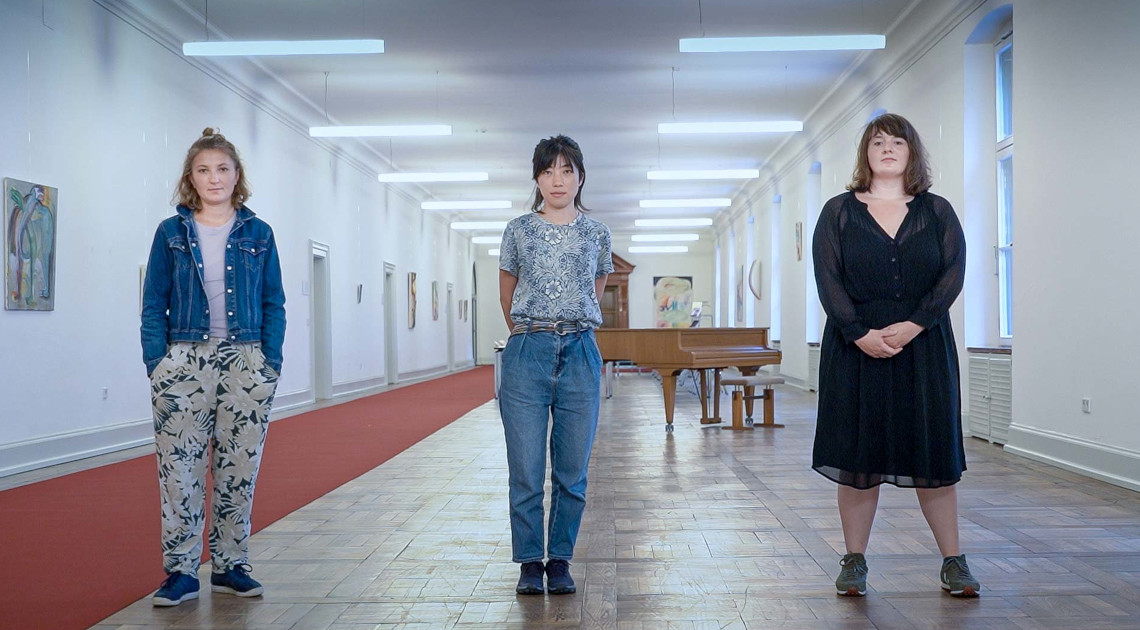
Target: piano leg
{"points": [[608, 379], [749, 392], [704, 391], [669, 387]]}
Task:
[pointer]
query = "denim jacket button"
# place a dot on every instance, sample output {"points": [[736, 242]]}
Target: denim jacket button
{"points": [[231, 313], [207, 311], [229, 290], [205, 336], [227, 245], [229, 267]]}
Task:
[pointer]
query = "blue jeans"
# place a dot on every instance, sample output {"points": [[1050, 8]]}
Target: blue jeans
{"points": [[546, 374]]}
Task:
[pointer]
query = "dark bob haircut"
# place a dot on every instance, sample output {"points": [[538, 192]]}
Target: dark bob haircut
{"points": [[916, 178]]}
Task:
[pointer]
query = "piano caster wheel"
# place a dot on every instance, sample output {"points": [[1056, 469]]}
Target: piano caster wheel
{"points": [[748, 421], [668, 428]]}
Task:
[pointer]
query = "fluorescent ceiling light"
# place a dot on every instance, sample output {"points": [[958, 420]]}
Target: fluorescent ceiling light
{"points": [[758, 126], [738, 173], [686, 203], [478, 225], [433, 177], [783, 44], [486, 240], [465, 205], [305, 47], [664, 238], [494, 251], [696, 222], [658, 249], [378, 131]]}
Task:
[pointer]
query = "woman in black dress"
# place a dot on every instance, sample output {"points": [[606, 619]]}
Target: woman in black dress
{"points": [[890, 259]]}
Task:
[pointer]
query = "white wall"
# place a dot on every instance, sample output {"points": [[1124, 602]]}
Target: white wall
{"points": [[99, 110], [1076, 83], [1077, 72]]}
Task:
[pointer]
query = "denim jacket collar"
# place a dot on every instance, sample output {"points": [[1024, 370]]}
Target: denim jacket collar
{"points": [[243, 214]]}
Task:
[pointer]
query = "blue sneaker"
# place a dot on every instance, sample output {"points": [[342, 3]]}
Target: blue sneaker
{"points": [[558, 580], [236, 581], [177, 588]]}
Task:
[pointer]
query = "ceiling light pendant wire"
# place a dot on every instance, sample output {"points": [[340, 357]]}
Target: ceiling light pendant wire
{"points": [[701, 17], [206, 22]]}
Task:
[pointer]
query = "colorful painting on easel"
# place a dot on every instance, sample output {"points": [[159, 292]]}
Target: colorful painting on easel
{"points": [[29, 246], [672, 301]]}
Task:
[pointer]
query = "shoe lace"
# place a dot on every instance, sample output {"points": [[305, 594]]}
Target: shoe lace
{"points": [[242, 568], [853, 565]]}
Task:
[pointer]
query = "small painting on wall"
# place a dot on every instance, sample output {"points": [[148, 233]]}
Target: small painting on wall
{"points": [[799, 240], [672, 301], [411, 299], [29, 245], [434, 300]]}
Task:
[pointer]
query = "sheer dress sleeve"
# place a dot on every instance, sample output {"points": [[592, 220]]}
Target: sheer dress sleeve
{"points": [[935, 304], [827, 255]]}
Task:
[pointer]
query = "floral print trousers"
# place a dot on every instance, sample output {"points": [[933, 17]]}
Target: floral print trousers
{"points": [[211, 400]]}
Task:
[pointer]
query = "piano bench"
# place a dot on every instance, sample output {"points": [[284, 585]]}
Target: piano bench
{"points": [[741, 385]]}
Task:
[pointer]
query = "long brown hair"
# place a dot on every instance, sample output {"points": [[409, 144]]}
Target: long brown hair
{"points": [[186, 195], [916, 178]]}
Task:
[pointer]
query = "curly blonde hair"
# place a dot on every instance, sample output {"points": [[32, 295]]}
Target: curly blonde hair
{"points": [[186, 195]]}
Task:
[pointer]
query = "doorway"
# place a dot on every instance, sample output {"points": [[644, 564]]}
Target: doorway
{"points": [[391, 358], [320, 331]]}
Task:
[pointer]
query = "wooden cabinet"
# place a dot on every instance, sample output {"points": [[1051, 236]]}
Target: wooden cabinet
{"points": [[615, 299]]}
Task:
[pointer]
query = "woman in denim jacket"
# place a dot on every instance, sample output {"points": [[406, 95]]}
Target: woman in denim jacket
{"points": [[213, 323]]}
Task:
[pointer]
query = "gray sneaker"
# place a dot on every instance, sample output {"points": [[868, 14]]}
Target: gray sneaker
{"points": [[852, 580], [957, 579]]}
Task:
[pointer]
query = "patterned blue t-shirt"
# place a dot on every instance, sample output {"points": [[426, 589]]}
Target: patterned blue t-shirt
{"points": [[556, 266]]}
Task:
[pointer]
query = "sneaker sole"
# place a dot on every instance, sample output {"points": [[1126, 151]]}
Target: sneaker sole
{"points": [[253, 592], [162, 601], [852, 592], [528, 590], [969, 591], [566, 590]]}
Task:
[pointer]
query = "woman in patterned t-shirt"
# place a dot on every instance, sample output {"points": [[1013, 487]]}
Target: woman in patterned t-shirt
{"points": [[553, 266]]}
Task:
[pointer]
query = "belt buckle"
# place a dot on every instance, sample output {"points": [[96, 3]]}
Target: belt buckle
{"points": [[565, 328]]}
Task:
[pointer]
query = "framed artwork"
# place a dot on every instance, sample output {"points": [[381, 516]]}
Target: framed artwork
{"points": [[434, 300], [799, 240], [29, 245], [740, 296], [411, 299], [754, 280], [672, 301], [466, 304]]}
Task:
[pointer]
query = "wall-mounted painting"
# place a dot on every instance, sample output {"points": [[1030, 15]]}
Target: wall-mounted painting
{"points": [[799, 240], [672, 301], [411, 299], [466, 304], [754, 280], [740, 296], [29, 245], [434, 300]]}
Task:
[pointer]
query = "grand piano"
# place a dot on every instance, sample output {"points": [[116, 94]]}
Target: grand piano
{"points": [[668, 351]]}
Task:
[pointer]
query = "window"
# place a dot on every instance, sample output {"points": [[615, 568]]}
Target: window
{"points": [[1004, 148]]}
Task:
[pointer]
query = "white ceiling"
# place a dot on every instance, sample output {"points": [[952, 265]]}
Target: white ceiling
{"points": [[507, 73]]}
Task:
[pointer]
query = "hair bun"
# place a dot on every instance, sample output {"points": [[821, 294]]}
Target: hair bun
{"points": [[209, 131]]}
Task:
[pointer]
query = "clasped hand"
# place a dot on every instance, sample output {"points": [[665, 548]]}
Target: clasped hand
{"points": [[886, 342]]}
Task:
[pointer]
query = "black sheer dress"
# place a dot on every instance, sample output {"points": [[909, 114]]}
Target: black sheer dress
{"points": [[894, 420]]}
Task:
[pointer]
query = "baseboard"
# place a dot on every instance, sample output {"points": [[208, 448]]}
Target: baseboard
{"points": [[67, 447], [1111, 464], [421, 374], [356, 387], [798, 383]]}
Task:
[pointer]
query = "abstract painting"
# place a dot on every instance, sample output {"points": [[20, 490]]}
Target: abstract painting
{"points": [[672, 301], [29, 246], [411, 299]]}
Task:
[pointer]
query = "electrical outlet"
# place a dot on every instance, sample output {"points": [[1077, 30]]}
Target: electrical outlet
{"points": [[105, 393], [1086, 405]]}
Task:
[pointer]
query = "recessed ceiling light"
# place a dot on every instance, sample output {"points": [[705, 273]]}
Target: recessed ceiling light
{"points": [[759, 126], [695, 222], [478, 225], [486, 240], [433, 177], [465, 205], [783, 44], [303, 47], [378, 131], [664, 238], [738, 173], [658, 249], [494, 251], [722, 202]]}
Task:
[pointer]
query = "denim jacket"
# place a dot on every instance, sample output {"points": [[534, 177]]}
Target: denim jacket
{"points": [[175, 307]]}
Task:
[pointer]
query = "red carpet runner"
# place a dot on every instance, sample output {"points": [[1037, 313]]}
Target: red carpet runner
{"points": [[76, 549]]}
